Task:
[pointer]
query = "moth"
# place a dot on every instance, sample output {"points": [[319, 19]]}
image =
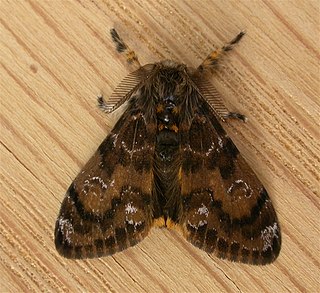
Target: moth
{"points": [[168, 163]]}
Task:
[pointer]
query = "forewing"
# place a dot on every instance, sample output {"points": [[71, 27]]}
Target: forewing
{"points": [[225, 208], [108, 207]]}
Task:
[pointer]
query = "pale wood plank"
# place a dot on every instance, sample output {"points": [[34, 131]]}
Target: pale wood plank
{"points": [[56, 56]]}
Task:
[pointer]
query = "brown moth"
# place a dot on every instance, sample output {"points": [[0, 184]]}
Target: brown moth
{"points": [[168, 162]]}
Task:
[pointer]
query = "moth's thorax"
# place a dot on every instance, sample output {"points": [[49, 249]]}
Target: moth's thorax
{"points": [[167, 114], [167, 139], [170, 78]]}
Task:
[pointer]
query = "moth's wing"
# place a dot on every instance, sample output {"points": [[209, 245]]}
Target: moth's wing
{"points": [[108, 207], [225, 208]]}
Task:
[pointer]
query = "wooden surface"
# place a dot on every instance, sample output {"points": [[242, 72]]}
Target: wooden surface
{"points": [[56, 57]]}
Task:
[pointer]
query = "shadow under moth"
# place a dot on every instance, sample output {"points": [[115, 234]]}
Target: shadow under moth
{"points": [[168, 163]]}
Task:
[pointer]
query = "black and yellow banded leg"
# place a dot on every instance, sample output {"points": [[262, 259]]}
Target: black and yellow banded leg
{"points": [[122, 47], [212, 59]]}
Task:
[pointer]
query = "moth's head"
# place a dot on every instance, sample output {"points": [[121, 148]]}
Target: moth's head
{"points": [[170, 72], [170, 64]]}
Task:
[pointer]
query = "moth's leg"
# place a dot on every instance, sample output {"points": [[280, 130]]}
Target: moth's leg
{"points": [[122, 47], [212, 59], [234, 115]]}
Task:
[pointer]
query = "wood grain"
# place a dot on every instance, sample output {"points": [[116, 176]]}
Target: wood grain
{"points": [[56, 57]]}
